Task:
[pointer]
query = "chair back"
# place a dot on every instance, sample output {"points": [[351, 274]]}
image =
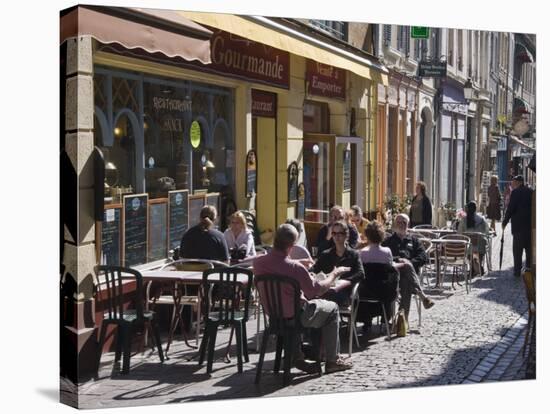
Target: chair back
{"points": [[381, 282], [272, 289], [193, 265], [425, 226], [424, 233], [113, 290], [222, 292], [457, 247], [478, 239], [427, 244]]}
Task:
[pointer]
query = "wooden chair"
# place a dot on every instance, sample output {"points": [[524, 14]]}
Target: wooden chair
{"points": [[127, 321], [285, 326], [221, 295], [530, 291]]}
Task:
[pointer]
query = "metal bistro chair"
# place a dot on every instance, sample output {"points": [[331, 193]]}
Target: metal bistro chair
{"points": [[456, 254], [285, 324], [480, 241], [220, 300], [127, 321], [379, 289], [431, 265], [350, 312], [425, 226]]}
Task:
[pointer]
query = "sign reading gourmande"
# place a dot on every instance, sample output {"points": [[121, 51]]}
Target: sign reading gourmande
{"points": [[432, 69], [325, 80], [235, 56]]}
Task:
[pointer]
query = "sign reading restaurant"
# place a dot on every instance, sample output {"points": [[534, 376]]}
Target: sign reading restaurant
{"points": [[325, 80], [239, 57], [264, 104]]}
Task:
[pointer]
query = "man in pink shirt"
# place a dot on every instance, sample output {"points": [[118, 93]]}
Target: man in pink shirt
{"points": [[315, 313]]}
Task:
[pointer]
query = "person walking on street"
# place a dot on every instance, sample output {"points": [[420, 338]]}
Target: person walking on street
{"points": [[495, 201], [421, 207], [519, 212]]}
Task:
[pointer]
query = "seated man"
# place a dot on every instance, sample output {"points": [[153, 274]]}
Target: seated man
{"points": [[324, 238], [315, 313], [409, 255]]}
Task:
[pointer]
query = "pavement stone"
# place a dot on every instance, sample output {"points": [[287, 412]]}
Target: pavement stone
{"points": [[464, 339]]}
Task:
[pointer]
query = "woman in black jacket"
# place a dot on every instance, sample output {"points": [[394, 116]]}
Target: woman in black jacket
{"points": [[421, 207], [340, 255]]}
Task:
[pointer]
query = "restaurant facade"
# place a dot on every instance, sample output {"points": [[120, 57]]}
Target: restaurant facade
{"points": [[242, 113]]}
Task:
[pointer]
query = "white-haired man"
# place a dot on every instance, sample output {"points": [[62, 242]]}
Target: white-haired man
{"points": [[315, 313]]}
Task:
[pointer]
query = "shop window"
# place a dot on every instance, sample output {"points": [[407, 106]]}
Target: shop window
{"points": [[316, 117]]}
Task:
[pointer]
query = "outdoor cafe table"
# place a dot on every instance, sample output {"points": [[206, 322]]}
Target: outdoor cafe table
{"points": [[183, 277]]}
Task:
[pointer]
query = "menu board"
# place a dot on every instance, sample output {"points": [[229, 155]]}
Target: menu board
{"points": [[196, 203], [110, 236], [301, 213], [158, 230], [347, 170], [213, 199], [135, 229], [178, 205]]}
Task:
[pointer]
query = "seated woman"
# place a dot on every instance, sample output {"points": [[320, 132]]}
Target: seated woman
{"points": [[202, 241], [299, 251], [474, 222], [239, 238], [382, 278], [340, 255]]}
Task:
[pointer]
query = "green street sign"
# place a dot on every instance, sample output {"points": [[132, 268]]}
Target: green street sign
{"points": [[420, 32]]}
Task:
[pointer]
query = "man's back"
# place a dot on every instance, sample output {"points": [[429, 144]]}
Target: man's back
{"points": [[519, 209], [198, 243]]}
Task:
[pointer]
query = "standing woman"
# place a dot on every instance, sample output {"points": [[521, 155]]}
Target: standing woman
{"points": [[495, 199], [421, 207]]}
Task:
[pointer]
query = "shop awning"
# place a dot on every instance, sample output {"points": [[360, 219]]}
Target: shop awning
{"points": [[268, 32], [523, 54], [153, 30], [520, 106]]}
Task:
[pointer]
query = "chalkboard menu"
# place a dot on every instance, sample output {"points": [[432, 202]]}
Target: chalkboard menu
{"points": [[301, 213], [158, 230], [135, 229], [292, 182], [179, 217], [110, 236], [347, 170], [251, 177], [196, 202], [213, 199]]}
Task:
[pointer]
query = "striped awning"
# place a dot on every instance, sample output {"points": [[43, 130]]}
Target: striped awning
{"points": [[153, 30]]}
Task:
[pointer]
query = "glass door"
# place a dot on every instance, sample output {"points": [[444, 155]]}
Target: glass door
{"points": [[319, 157]]}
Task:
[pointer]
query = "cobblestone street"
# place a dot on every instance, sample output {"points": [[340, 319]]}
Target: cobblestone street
{"points": [[464, 338]]}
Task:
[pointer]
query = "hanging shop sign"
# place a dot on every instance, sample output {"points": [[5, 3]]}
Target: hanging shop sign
{"points": [[325, 80], [251, 178], [264, 104], [292, 182], [432, 69], [239, 57]]}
